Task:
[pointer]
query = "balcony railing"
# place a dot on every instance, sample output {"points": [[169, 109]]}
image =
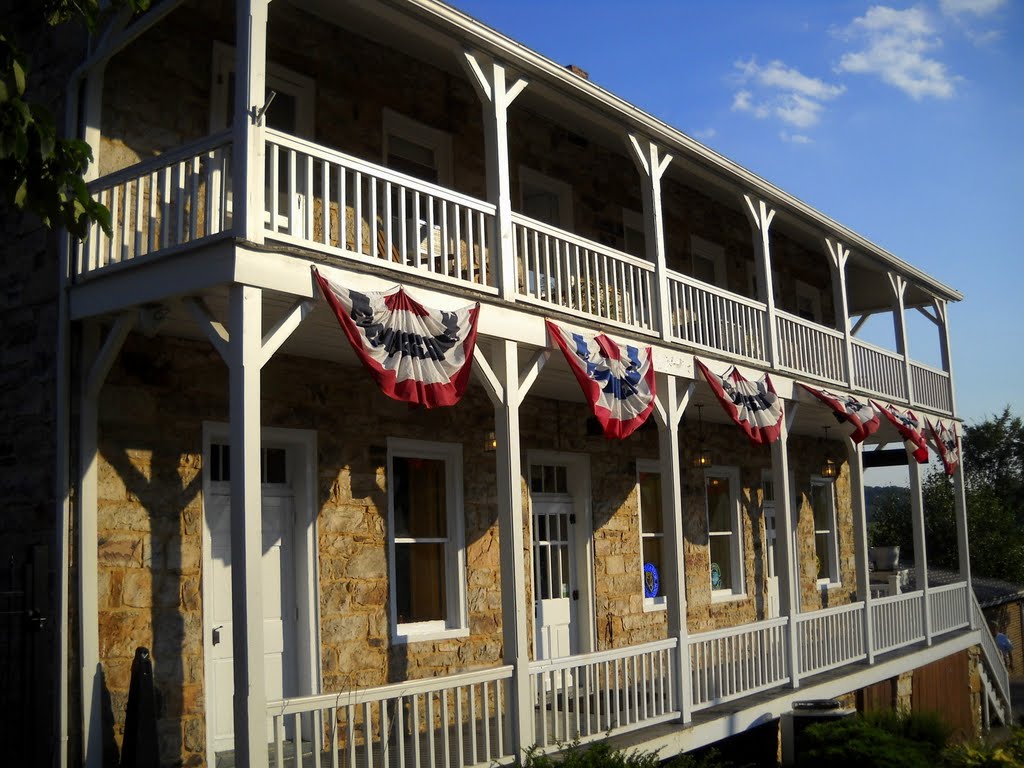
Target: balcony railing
{"points": [[321, 199], [731, 663]]}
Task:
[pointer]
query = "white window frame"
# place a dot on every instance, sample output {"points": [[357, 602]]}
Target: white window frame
{"points": [[456, 624], [738, 590], [834, 578], [651, 467], [279, 78], [811, 294], [713, 252], [632, 219], [528, 177], [415, 132]]}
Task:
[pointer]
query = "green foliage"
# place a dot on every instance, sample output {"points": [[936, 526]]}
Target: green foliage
{"points": [[602, 755], [40, 172], [878, 741], [1009, 754]]}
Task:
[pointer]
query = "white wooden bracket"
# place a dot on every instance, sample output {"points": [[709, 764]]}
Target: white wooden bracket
{"points": [[759, 213], [936, 312], [855, 329], [674, 411], [108, 353], [488, 86], [898, 283], [220, 337], [651, 160], [792, 409], [213, 328], [493, 387], [838, 252]]}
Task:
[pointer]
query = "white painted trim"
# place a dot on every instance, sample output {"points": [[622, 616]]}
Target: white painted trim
{"points": [[457, 622], [650, 466], [418, 133], [739, 589], [303, 479], [528, 177], [835, 576], [279, 78], [578, 478]]}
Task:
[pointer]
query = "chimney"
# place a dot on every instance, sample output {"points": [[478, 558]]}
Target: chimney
{"points": [[578, 71]]}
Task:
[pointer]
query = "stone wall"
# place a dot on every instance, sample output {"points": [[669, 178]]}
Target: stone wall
{"points": [[1008, 618]]}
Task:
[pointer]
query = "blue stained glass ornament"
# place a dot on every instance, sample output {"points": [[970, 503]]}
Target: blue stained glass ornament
{"points": [[652, 583], [716, 576]]}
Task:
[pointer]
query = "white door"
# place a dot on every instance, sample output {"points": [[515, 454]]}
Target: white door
{"points": [[554, 576], [279, 611], [771, 610]]}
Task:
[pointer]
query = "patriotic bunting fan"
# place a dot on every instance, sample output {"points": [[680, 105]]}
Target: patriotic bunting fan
{"points": [[416, 354], [947, 441], [618, 382], [753, 405], [847, 408], [909, 427]]}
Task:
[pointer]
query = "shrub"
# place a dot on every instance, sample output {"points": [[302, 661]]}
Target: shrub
{"points": [[878, 742], [1009, 754], [602, 755]]}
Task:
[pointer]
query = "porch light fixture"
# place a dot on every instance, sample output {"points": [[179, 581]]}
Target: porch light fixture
{"points": [[490, 442], [828, 468], [702, 458]]}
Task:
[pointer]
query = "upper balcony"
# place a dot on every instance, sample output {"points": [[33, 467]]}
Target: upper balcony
{"points": [[407, 196]]}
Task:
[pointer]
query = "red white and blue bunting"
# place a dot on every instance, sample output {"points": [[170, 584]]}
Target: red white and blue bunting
{"points": [[618, 381], [847, 408], [753, 405], [415, 354], [909, 427], [947, 442]]}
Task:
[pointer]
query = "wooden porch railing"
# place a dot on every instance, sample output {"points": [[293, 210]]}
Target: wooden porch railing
{"points": [[897, 621], [948, 605], [806, 347], [454, 721], [830, 638], [731, 663], [878, 371], [180, 197], [590, 696], [931, 387]]}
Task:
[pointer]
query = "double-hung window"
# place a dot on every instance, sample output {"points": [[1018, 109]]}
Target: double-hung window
{"points": [[725, 549], [826, 544], [652, 534], [425, 538]]}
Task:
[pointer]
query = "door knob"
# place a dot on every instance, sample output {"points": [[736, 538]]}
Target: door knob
{"points": [[216, 634]]}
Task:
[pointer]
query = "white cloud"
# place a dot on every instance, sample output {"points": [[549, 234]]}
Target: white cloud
{"points": [[977, 7], [795, 138], [704, 135], [782, 92], [897, 45]]}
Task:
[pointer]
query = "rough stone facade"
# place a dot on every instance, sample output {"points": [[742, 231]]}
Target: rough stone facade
{"points": [[1008, 618]]}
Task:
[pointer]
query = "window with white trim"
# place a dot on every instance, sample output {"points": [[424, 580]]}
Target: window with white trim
{"points": [[808, 301], [652, 533], [826, 544], [725, 548], [425, 539], [707, 261], [634, 234], [416, 149], [545, 198]]}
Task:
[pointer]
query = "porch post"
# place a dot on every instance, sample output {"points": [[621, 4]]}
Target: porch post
{"points": [[942, 314], [488, 77], [855, 453], [96, 363], [789, 581], [962, 544], [838, 256], [247, 125], [760, 216], [899, 289], [510, 532], [670, 411], [920, 548], [244, 362], [651, 161]]}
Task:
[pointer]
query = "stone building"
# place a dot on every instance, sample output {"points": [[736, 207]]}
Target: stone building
{"points": [[318, 567]]}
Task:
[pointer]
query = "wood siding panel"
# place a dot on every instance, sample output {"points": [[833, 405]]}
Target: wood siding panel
{"points": [[880, 697], [944, 687]]}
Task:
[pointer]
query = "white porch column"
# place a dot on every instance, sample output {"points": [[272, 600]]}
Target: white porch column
{"points": [[245, 358], [96, 364], [506, 390], [789, 579], [962, 543], [670, 408], [651, 161], [920, 548], [942, 316], [838, 256], [899, 289], [761, 215], [855, 453], [247, 126], [488, 76]]}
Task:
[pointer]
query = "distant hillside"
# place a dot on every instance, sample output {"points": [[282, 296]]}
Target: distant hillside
{"points": [[875, 493]]}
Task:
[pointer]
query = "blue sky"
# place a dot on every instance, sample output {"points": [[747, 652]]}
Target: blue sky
{"points": [[903, 122]]}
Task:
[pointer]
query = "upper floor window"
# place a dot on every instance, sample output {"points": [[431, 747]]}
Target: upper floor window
{"points": [[417, 149], [545, 198], [425, 538], [707, 261], [273, 464], [725, 533], [633, 233], [293, 106], [652, 533], [826, 544], [808, 301]]}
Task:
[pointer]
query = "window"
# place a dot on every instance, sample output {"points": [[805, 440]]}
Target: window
{"points": [[652, 534], [633, 233], [707, 261], [825, 540], [427, 561], [808, 302], [545, 199], [417, 149], [758, 294], [721, 494], [273, 464], [293, 107]]}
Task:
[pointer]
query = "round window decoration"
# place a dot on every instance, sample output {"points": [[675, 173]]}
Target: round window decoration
{"points": [[652, 582], [716, 576]]}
